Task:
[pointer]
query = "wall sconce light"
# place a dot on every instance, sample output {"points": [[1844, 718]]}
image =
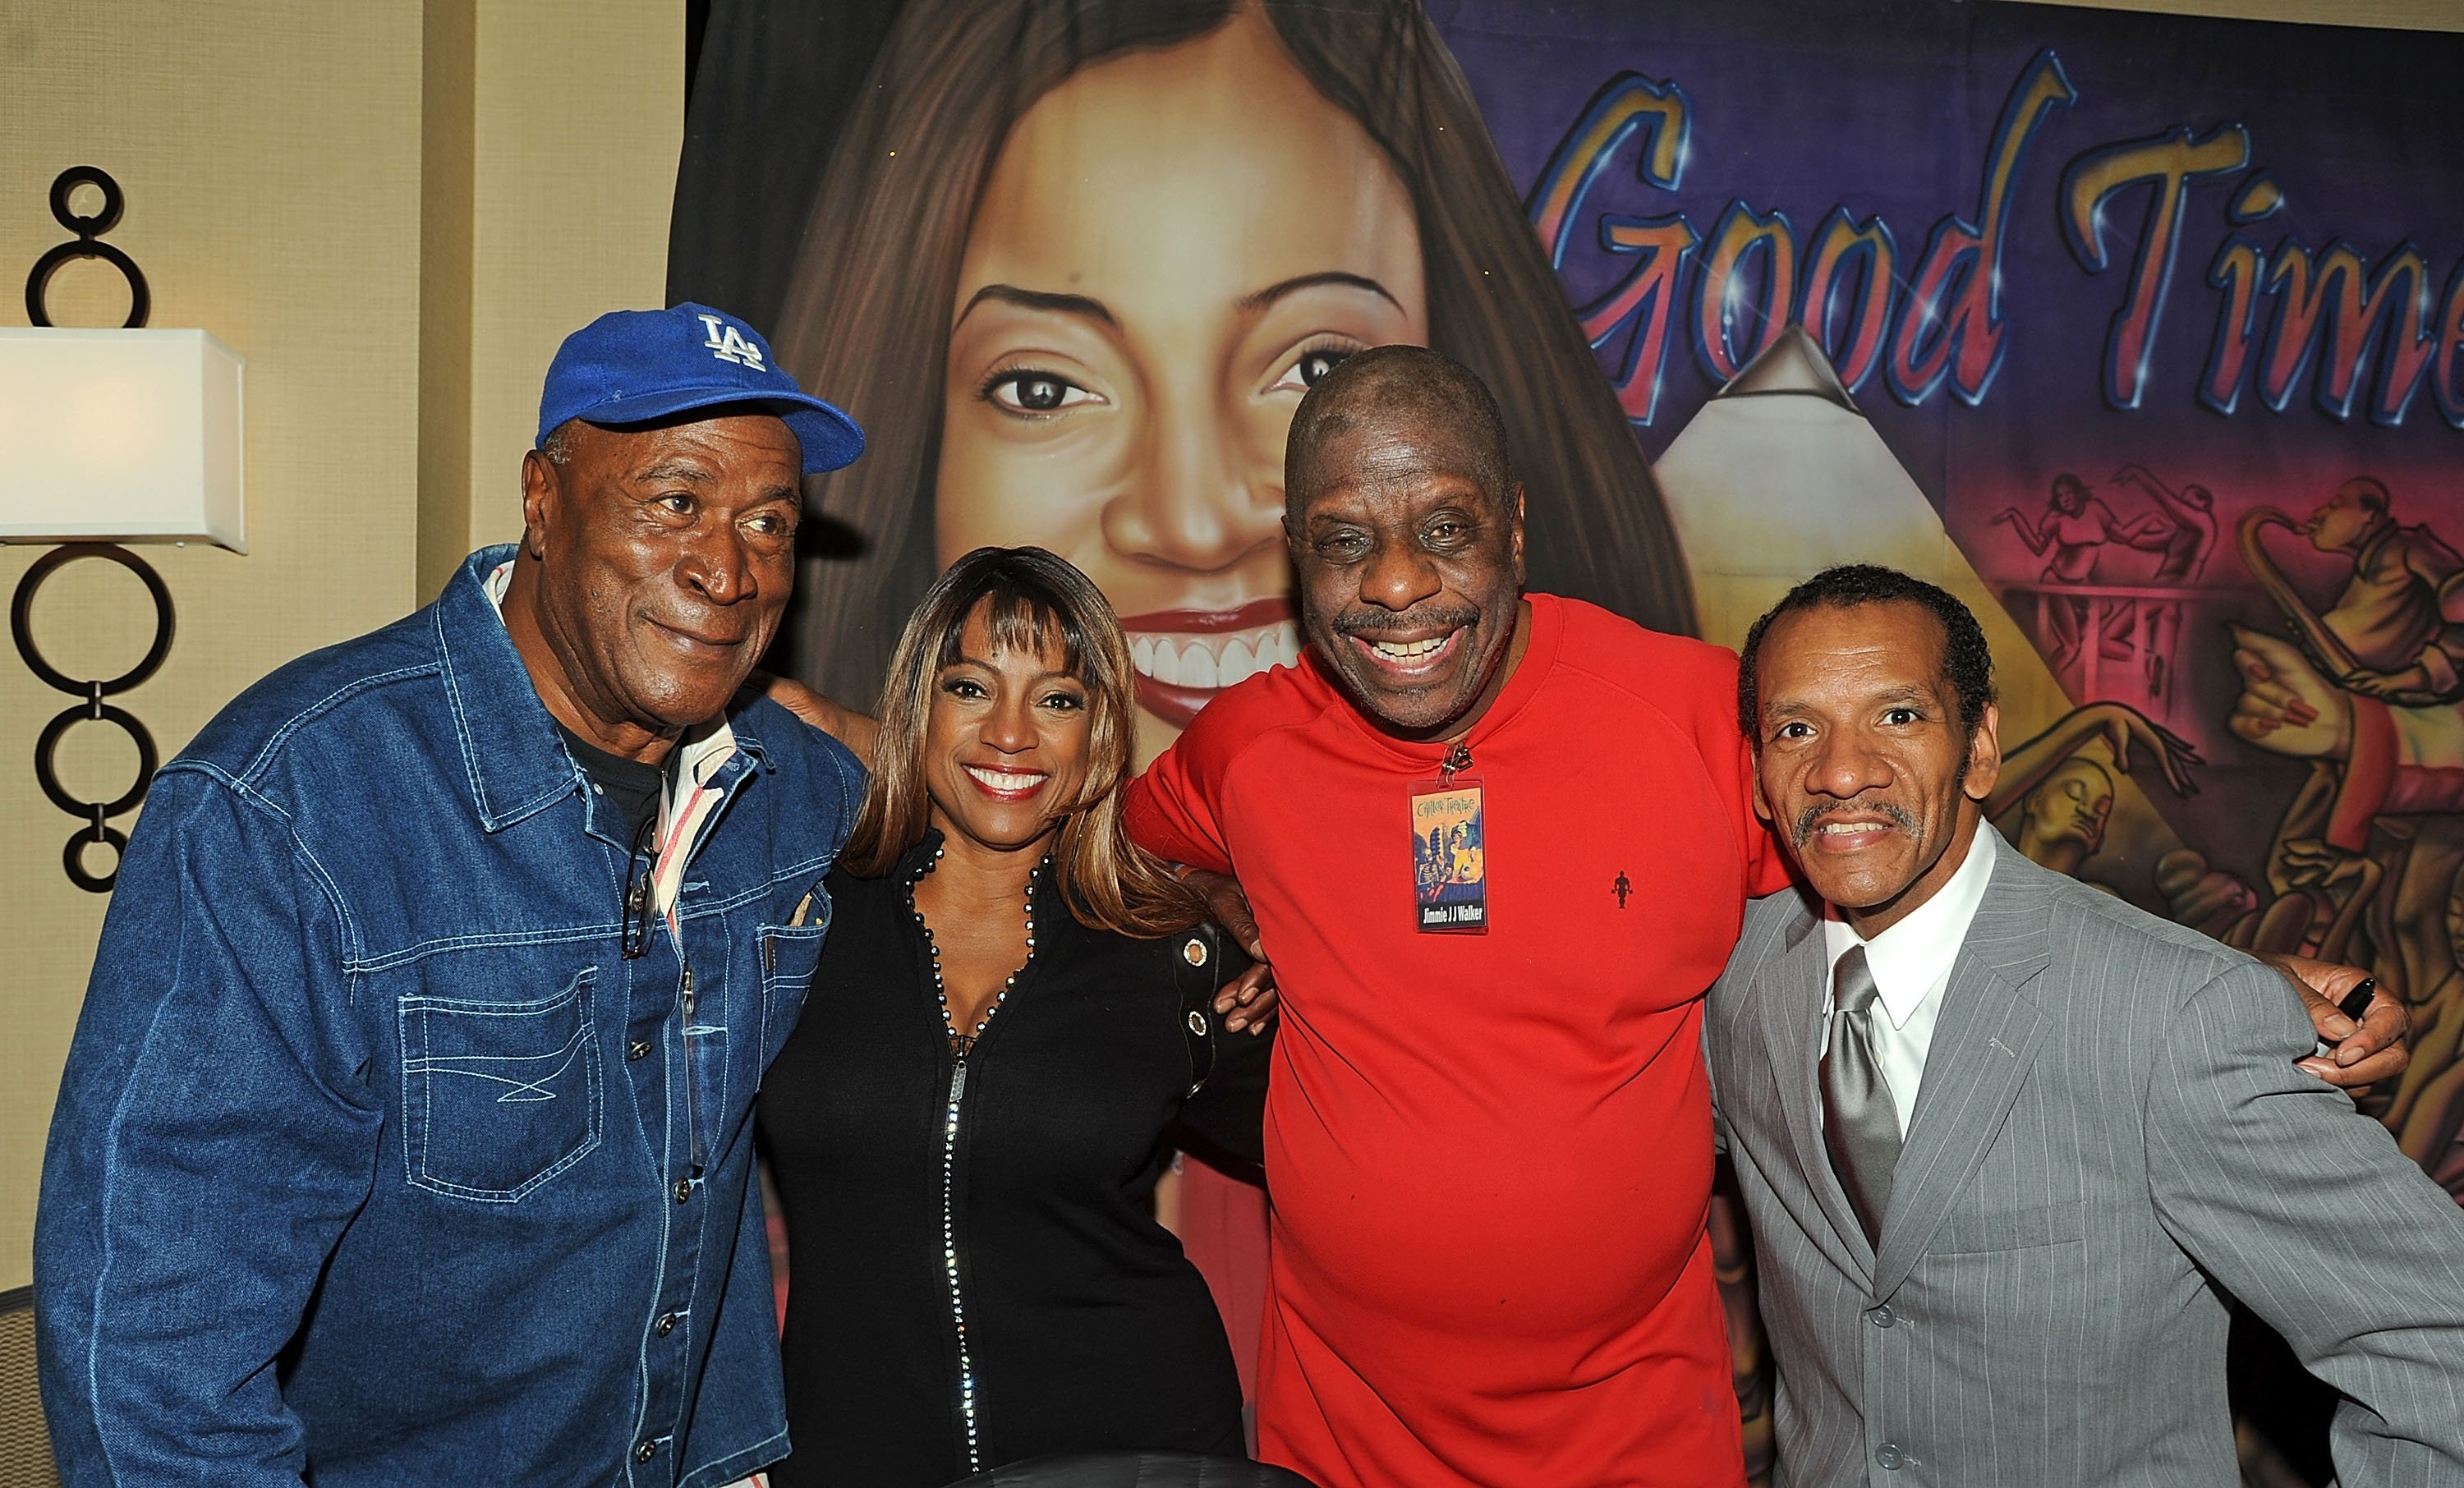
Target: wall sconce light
{"points": [[113, 435]]}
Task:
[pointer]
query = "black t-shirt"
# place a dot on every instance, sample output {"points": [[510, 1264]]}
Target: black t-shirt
{"points": [[631, 786]]}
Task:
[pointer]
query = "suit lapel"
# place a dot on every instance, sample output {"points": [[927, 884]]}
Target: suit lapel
{"points": [[1793, 992], [1984, 1041]]}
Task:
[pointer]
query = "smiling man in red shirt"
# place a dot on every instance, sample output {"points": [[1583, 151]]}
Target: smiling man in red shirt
{"points": [[1489, 1129]]}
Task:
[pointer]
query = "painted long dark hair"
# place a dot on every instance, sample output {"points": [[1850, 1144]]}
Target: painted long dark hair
{"points": [[867, 314]]}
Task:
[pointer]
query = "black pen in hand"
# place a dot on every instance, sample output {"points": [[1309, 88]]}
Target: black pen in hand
{"points": [[2352, 1005], [2358, 1000]]}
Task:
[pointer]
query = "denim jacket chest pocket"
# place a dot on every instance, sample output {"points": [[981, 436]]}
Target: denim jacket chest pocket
{"points": [[499, 1097], [788, 954]]}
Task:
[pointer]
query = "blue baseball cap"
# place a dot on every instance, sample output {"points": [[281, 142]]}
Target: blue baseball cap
{"points": [[631, 366]]}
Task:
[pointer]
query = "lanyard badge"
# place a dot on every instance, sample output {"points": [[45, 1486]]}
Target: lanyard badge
{"points": [[1450, 850]]}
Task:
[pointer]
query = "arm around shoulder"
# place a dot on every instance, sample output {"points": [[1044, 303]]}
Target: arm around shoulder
{"points": [[858, 732], [212, 1137], [2306, 1212], [1227, 1113], [1171, 809]]}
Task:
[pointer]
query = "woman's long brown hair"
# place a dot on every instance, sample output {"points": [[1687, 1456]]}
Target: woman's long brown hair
{"points": [[866, 320], [1030, 601]]}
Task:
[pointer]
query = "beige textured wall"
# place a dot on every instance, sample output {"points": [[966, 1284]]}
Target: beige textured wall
{"points": [[273, 157], [448, 122], [569, 188]]}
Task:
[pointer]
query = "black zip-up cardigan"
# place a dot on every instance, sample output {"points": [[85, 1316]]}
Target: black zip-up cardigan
{"points": [[1084, 1324]]}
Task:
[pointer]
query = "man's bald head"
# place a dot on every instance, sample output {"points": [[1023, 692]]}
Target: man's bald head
{"points": [[1405, 529], [1406, 388]]}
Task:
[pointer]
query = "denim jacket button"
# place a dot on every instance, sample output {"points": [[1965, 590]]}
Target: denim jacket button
{"points": [[683, 1189], [665, 1325], [645, 1451], [638, 1049]]}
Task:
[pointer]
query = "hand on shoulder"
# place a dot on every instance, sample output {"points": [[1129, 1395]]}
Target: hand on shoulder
{"points": [[855, 730]]}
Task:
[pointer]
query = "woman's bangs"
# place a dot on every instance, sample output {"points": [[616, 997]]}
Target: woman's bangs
{"points": [[1023, 620]]}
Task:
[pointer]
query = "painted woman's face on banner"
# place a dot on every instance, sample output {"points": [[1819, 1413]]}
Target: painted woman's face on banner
{"points": [[1172, 247]]}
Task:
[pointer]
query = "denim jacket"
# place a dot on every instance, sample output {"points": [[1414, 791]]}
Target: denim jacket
{"points": [[374, 1159]]}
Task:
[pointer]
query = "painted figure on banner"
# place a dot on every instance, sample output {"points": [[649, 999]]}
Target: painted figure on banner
{"points": [[2071, 534], [2368, 855], [2189, 533], [2054, 796], [2131, 625], [2400, 619], [2183, 540], [2061, 822]]}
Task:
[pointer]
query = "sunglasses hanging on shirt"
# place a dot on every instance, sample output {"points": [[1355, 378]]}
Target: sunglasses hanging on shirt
{"points": [[639, 916]]}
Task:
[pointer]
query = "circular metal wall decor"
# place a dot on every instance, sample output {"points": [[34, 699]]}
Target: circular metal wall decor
{"points": [[95, 815], [93, 709], [88, 244]]}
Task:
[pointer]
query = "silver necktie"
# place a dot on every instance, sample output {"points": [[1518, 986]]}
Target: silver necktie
{"points": [[1860, 1123]]}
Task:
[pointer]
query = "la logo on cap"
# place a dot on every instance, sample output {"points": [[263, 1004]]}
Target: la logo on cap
{"points": [[728, 344]]}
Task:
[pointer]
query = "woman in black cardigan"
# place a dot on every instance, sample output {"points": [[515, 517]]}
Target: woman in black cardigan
{"points": [[1013, 1006]]}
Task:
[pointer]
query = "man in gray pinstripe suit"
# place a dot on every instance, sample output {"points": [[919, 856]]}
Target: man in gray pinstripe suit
{"points": [[2005, 1141]]}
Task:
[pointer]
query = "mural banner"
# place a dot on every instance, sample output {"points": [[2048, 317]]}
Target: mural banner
{"points": [[2150, 329], [2143, 333]]}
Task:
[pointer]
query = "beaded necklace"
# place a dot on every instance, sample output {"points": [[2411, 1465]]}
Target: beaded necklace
{"points": [[962, 1044]]}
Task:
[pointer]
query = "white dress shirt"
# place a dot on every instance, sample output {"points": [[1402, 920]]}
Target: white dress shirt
{"points": [[1912, 964]]}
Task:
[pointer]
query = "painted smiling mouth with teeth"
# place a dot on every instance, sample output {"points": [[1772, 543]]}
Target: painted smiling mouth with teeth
{"points": [[1184, 657]]}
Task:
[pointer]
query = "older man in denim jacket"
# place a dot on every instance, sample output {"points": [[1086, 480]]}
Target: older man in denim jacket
{"points": [[406, 1134]]}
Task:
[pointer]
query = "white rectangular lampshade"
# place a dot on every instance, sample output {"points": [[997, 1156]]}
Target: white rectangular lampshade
{"points": [[119, 435]]}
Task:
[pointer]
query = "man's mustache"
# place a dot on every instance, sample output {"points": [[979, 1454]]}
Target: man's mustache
{"points": [[1434, 617], [1812, 817]]}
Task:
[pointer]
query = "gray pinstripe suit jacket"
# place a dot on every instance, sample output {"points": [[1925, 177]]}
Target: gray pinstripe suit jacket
{"points": [[2110, 1129]]}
